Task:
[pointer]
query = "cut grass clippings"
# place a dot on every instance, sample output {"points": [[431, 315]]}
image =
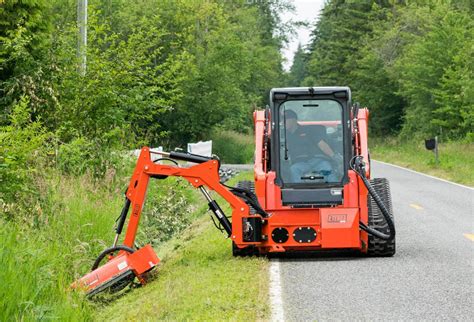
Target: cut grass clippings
{"points": [[456, 159], [198, 279]]}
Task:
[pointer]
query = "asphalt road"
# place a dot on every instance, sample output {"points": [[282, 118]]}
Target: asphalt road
{"points": [[431, 277]]}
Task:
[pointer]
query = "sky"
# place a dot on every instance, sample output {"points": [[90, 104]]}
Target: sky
{"points": [[307, 10]]}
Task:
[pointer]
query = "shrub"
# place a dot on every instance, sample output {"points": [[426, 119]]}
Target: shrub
{"points": [[233, 147], [167, 212], [95, 156], [23, 147]]}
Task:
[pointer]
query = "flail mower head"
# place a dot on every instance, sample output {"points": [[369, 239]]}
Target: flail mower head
{"points": [[119, 271]]}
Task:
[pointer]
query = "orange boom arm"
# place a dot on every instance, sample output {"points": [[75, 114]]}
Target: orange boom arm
{"points": [[129, 263], [205, 174]]}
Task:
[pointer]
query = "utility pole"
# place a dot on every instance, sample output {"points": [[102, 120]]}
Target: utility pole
{"points": [[82, 37]]}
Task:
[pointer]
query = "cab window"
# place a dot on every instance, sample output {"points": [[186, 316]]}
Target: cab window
{"points": [[311, 142]]}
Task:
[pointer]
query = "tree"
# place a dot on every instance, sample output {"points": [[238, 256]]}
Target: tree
{"points": [[431, 71], [298, 68], [335, 39], [24, 37], [157, 69]]}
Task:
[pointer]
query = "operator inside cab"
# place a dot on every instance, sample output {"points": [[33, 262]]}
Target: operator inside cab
{"points": [[310, 155]]}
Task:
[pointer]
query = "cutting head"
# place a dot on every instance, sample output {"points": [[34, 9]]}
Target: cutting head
{"points": [[119, 271]]}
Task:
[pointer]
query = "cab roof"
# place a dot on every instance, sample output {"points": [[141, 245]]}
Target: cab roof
{"points": [[323, 90]]}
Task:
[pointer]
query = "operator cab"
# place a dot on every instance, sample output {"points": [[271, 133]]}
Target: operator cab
{"points": [[311, 144]]}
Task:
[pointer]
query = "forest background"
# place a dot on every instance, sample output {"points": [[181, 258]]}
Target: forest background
{"points": [[168, 72]]}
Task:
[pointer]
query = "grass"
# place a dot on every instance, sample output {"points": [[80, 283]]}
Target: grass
{"points": [[41, 256], [199, 279], [456, 159], [38, 264]]}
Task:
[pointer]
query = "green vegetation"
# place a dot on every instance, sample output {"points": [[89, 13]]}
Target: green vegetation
{"points": [[410, 62], [157, 71], [233, 147], [42, 255], [456, 159], [169, 72]]}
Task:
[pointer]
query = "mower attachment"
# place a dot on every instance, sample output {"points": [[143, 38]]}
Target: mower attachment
{"points": [[119, 271]]}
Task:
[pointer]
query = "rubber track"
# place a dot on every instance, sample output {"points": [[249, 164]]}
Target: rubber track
{"points": [[377, 246], [248, 251]]}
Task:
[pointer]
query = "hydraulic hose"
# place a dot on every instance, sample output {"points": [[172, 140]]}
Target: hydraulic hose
{"points": [[196, 158], [123, 216], [358, 165], [250, 197], [108, 251]]}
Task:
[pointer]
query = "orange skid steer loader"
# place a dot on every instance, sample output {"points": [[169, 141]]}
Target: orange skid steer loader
{"points": [[311, 191]]}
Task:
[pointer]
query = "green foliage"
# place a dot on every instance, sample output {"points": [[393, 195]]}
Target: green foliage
{"points": [[82, 156], [34, 280], [158, 72], [233, 67], [385, 105], [298, 68], [40, 262], [23, 35], [168, 212], [410, 63], [335, 39], [24, 41], [23, 147], [129, 83], [431, 71], [232, 147], [455, 97]]}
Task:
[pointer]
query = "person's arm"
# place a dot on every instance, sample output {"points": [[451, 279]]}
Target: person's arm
{"points": [[326, 148]]}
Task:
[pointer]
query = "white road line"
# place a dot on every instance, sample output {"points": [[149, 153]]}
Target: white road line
{"points": [[276, 301], [426, 175]]}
